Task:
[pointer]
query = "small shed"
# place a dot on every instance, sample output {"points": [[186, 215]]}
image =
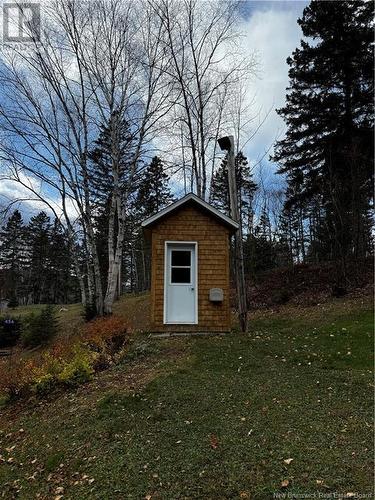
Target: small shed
{"points": [[190, 242]]}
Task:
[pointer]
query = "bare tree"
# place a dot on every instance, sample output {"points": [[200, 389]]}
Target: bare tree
{"points": [[161, 65], [202, 41], [93, 58]]}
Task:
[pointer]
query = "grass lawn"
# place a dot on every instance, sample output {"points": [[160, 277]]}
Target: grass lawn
{"points": [[209, 418]]}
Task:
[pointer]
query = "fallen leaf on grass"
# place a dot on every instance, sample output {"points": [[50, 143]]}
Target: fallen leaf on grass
{"points": [[287, 461], [285, 483], [214, 443]]}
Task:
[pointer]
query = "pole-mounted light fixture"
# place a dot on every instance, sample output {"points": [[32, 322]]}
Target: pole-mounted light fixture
{"points": [[226, 143]]}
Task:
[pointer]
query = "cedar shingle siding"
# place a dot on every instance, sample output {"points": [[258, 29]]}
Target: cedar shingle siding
{"points": [[190, 223]]}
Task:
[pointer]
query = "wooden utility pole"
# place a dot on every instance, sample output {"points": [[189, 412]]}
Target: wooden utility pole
{"points": [[227, 143]]}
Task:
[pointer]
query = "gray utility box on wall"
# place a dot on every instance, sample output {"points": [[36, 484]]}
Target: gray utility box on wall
{"points": [[216, 295]]}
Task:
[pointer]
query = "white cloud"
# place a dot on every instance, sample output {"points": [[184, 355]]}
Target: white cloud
{"points": [[21, 196], [273, 33]]}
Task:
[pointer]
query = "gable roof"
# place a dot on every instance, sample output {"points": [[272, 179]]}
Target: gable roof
{"points": [[191, 198]]}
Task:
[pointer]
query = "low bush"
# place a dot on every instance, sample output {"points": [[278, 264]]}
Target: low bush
{"points": [[38, 329], [16, 374], [281, 296], [142, 350], [44, 383], [104, 329], [79, 369], [66, 362], [54, 370]]}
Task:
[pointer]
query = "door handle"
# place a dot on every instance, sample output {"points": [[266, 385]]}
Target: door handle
{"points": [[192, 288]]}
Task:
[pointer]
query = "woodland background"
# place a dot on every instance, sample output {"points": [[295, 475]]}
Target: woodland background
{"points": [[118, 107]]}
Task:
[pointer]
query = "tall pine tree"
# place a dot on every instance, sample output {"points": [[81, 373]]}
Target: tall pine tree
{"points": [[102, 181], [328, 147], [62, 283], [13, 257], [246, 187], [38, 241], [101, 158], [153, 192]]}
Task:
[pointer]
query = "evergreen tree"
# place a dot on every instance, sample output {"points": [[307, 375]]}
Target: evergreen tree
{"points": [[101, 179], [38, 234], [101, 158], [246, 188], [263, 243], [328, 148], [153, 192], [62, 284], [13, 257]]}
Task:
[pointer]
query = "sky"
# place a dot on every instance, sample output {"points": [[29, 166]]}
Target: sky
{"points": [[271, 30]]}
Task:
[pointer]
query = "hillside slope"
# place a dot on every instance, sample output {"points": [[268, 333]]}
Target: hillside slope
{"points": [[287, 407]]}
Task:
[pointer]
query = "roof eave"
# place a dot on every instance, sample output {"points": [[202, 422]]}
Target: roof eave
{"points": [[190, 197]]}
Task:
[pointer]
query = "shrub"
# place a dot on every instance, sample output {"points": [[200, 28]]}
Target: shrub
{"points": [[142, 350], [15, 375], [281, 296], [44, 383], [55, 370], [79, 369], [39, 328], [67, 362], [9, 331], [104, 331]]}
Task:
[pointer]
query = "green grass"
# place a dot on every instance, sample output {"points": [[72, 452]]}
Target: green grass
{"points": [[70, 316], [211, 418]]}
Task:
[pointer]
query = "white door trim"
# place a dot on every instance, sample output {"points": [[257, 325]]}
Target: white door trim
{"points": [[195, 244]]}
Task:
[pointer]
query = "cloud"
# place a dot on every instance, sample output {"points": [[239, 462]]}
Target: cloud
{"points": [[19, 195], [272, 31]]}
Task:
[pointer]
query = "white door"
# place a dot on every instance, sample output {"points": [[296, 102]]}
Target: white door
{"points": [[180, 287]]}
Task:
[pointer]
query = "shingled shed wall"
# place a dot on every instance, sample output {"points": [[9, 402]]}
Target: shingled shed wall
{"points": [[192, 224]]}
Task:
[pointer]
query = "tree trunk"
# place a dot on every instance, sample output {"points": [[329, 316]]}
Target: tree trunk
{"points": [[115, 254]]}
